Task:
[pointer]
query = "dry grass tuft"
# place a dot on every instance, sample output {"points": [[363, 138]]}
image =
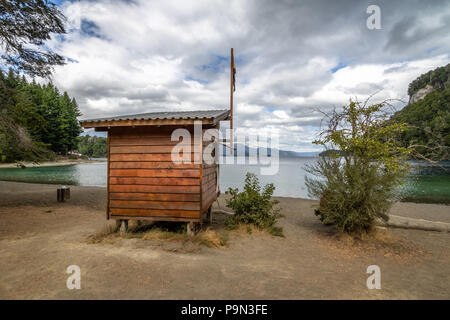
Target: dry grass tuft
{"points": [[162, 232], [105, 233], [211, 238], [246, 229], [378, 242]]}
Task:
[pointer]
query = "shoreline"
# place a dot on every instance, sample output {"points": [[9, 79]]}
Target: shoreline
{"points": [[68, 163], [44, 194], [54, 163]]}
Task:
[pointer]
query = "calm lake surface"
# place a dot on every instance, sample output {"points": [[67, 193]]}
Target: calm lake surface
{"points": [[426, 183]]}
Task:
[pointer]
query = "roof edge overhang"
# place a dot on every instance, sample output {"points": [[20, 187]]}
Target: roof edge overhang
{"points": [[106, 124]]}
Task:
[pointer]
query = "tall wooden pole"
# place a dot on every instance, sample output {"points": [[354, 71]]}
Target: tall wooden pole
{"points": [[231, 99]]}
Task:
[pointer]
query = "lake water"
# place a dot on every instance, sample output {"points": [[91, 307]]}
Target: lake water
{"points": [[426, 183]]}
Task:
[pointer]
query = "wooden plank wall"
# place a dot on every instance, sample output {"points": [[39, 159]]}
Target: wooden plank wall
{"points": [[209, 185], [209, 175], [143, 180]]}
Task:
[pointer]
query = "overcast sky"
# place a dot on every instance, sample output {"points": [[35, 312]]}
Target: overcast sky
{"points": [[292, 57]]}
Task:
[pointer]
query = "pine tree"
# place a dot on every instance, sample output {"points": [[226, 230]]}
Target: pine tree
{"points": [[35, 119], [25, 25]]}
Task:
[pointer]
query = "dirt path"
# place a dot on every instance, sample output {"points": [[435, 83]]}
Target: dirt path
{"points": [[40, 238]]}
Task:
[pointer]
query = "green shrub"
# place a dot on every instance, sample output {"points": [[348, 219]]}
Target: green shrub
{"points": [[358, 185], [352, 196], [253, 206]]}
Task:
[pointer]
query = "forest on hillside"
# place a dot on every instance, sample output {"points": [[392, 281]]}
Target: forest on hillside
{"points": [[36, 121], [428, 119], [438, 78]]}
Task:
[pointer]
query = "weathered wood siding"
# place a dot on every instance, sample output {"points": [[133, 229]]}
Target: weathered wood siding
{"points": [[209, 185], [144, 182]]}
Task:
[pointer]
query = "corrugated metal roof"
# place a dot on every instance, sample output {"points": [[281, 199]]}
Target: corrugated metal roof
{"points": [[207, 114]]}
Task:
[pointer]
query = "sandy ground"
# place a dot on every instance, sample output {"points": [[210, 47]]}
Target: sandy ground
{"points": [[40, 238], [62, 162]]}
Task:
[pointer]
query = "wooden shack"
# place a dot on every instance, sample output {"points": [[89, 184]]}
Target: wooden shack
{"points": [[144, 182]]}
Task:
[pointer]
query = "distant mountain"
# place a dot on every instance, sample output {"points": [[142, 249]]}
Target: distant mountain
{"points": [[330, 152], [306, 154], [281, 153]]}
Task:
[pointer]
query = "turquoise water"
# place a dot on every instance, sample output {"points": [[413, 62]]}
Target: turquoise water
{"points": [[426, 183], [86, 174]]}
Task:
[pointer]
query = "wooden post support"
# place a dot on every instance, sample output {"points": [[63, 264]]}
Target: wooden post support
{"points": [[190, 229], [209, 215], [124, 226]]}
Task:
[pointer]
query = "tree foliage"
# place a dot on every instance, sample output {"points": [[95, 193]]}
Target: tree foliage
{"points": [[92, 146], [357, 185], [35, 119], [253, 205], [25, 25]]}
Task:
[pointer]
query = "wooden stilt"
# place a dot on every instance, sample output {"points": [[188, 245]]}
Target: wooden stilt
{"points": [[190, 229], [124, 226], [209, 215]]}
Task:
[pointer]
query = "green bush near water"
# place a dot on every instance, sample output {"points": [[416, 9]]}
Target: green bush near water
{"points": [[253, 206], [358, 186]]}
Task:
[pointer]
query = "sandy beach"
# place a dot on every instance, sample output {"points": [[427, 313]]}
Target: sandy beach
{"points": [[62, 162], [40, 238]]}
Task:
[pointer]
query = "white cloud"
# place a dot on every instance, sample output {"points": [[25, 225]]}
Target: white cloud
{"points": [[142, 56]]}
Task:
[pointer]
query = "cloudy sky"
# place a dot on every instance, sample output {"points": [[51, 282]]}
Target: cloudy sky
{"points": [[292, 57]]}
